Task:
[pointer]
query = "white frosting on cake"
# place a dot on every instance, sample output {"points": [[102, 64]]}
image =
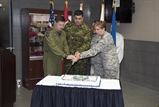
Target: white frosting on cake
{"points": [[79, 80]]}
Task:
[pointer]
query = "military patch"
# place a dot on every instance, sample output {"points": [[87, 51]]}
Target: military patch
{"points": [[47, 34]]}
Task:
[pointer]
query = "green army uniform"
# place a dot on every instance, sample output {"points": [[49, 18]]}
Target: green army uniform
{"points": [[78, 39], [55, 49]]}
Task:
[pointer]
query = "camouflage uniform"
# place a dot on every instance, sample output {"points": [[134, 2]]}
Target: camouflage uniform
{"points": [[96, 61], [55, 49], [107, 51], [78, 39]]}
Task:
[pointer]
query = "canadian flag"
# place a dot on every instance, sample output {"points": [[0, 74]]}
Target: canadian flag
{"points": [[66, 11]]}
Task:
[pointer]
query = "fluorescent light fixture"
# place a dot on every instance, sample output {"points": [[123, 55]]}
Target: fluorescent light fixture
{"points": [[1, 4]]}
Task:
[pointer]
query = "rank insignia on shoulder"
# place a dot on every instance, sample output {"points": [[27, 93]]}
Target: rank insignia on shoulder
{"points": [[47, 34]]}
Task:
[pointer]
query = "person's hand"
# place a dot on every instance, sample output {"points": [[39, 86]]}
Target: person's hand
{"points": [[77, 54], [70, 57], [75, 60], [77, 57]]}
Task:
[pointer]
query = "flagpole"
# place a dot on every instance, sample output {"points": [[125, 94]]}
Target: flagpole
{"points": [[66, 11], [66, 1], [81, 5], [114, 5], [102, 11]]}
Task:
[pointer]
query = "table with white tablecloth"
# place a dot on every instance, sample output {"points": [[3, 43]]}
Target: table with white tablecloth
{"points": [[47, 94]]}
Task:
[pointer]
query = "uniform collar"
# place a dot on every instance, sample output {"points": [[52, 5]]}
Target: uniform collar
{"points": [[58, 33]]}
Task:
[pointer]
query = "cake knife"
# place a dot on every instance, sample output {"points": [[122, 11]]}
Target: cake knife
{"points": [[68, 70]]}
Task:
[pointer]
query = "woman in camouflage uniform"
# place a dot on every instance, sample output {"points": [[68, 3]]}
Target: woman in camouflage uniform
{"points": [[95, 60], [106, 49]]}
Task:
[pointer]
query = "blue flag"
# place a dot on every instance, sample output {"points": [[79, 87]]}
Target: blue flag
{"points": [[113, 26], [51, 20]]}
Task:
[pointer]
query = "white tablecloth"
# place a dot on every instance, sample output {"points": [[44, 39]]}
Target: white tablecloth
{"points": [[111, 84]]}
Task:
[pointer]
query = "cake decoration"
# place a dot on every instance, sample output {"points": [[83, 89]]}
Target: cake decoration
{"points": [[79, 80]]}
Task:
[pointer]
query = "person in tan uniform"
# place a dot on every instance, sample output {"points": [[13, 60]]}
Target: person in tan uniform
{"points": [[55, 48]]}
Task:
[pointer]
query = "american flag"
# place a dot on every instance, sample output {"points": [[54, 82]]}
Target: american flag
{"points": [[51, 19]]}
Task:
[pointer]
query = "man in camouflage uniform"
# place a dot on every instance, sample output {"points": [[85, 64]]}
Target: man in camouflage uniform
{"points": [[78, 39], [55, 48], [105, 48]]}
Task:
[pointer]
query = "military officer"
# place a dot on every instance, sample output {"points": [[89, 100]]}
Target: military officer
{"points": [[78, 39], [106, 49], [55, 48], [97, 60]]}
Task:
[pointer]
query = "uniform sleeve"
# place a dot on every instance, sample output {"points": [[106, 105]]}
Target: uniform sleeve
{"points": [[50, 40], [66, 47], [97, 48]]}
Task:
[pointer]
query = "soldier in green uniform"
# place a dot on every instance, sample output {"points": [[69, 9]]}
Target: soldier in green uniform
{"points": [[55, 48], [78, 39]]}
